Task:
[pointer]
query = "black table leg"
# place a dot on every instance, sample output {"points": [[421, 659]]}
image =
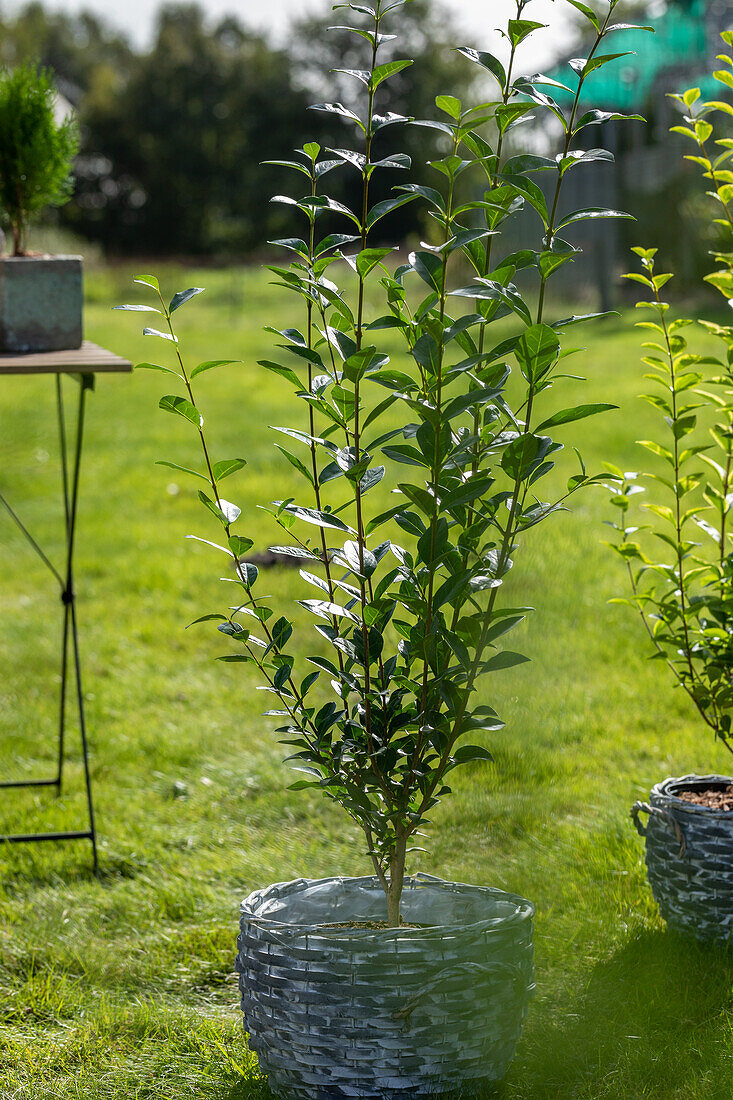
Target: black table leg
{"points": [[70, 470]]}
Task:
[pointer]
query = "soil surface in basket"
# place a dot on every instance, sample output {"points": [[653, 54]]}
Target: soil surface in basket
{"points": [[372, 925], [714, 799]]}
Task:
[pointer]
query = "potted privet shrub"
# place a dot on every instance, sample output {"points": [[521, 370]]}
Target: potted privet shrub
{"points": [[40, 296], [680, 560], [421, 480]]}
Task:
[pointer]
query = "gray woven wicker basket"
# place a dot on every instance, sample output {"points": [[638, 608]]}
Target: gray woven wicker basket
{"points": [[689, 857], [383, 1013]]}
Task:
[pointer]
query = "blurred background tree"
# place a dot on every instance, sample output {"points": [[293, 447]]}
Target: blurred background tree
{"points": [[169, 150], [165, 165], [80, 49]]}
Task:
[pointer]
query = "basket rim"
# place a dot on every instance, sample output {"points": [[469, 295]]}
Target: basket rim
{"points": [[662, 792], [524, 910]]}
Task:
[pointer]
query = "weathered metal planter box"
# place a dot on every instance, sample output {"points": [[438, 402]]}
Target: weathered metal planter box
{"points": [[381, 1013], [689, 858], [40, 303]]}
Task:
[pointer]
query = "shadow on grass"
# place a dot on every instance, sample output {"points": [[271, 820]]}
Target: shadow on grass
{"points": [[653, 1021], [248, 1090], [258, 1090], [58, 864]]}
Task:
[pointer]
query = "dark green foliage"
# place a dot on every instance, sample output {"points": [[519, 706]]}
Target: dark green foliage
{"points": [[83, 51], [185, 139], [172, 138], [36, 152], [409, 601], [682, 579]]}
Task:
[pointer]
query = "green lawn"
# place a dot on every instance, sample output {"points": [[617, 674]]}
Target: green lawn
{"points": [[125, 988]]}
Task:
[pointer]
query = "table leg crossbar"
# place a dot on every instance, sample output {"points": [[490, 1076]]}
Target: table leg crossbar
{"points": [[70, 652]]}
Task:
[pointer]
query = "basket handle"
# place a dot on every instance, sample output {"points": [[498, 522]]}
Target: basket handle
{"points": [[642, 808], [641, 828]]}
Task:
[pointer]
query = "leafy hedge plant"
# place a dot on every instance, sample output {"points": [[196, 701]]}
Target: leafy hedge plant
{"points": [[36, 152], [410, 601], [682, 576]]}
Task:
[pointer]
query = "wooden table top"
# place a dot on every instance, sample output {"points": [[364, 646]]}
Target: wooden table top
{"points": [[88, 359]]}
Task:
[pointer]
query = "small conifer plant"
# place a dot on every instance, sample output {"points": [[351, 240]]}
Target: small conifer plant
{"points": [[36, 151]]}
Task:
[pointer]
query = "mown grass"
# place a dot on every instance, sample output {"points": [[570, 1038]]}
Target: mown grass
{"points": [[125, 987]]}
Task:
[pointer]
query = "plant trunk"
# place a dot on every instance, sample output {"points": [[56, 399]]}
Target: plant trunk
{"points": [[17, 239], [396, 881]]}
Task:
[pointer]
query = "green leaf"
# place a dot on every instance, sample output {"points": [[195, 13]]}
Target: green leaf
{"points": [[351, 553], [591, 213], [225, 511], [549, 262], [284, 372], [210, 364], [371, 478], [161, 335], [296, 463], [487, 60], [157, 366], [594, 118], [394, 160], [356, 365], [368, 259], [248, 572], [466, 754], [383, 72], [565, 416], [147, 280], [239, 545], [281, 633], [589, 14], [325, 609], [183, 296], [183, 469], [429, 267], [585, 67], [472, 397], [312, 515], [234, 630], [467, 492], [208, 542], [449, 105], [534, 194], [431, 196], [519, 29], [507, 114], [338, 109], [631, 27], [524, 454], [182, 407], [724, 77], [296, 165], [227, 466], [380, 209], [506, 659], [208, 619], [334, 240], [491, 290], [138, 309]]}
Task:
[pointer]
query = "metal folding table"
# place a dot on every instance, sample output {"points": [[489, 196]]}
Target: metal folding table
{"points": [[81, 364]]}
